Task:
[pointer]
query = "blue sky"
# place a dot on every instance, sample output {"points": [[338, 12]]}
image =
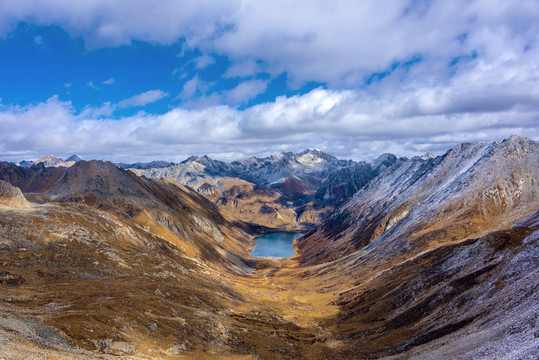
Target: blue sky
{"points": [[145, 80], [37, 61]]}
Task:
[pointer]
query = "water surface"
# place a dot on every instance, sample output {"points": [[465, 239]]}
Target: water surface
{"points": [[277, 244]]}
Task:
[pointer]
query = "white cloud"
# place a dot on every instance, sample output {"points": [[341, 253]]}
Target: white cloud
{"points": [[347, 123], [242, 68], [245, 91], [191, 87], [340, 42], [195, 93], [105, 110], [475, 77], [67, 85], [194, 87], [109, 81], [145, 98], [91, 84], [203, 61]]}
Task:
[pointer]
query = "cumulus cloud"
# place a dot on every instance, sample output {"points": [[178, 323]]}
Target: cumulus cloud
{"points": [[245, 91], [203, 61], [347, 123], [109, 81], [402, 76], [145, 98], [340, 43]]}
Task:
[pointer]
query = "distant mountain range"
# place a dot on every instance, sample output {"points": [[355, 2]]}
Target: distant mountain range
{"points": [[305, 170], [265, 193], [285, 191], [51, 161]]}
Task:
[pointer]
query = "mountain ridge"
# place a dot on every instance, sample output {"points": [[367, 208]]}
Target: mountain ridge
{"points": [[414, 192]]}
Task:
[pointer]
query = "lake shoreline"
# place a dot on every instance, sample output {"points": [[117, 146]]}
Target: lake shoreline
{"points": [[275, 245]]}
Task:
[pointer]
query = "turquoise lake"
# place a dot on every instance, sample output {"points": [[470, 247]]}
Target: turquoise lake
{"points": [[277, 244]]}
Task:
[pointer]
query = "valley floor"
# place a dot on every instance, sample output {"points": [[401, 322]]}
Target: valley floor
{"points": [[81, 281], [281, 311]]}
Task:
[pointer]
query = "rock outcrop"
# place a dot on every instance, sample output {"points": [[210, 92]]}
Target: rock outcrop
{"points": [[11, 196]]}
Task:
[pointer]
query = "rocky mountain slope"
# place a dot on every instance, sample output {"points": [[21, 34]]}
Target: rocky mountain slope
{"points": [[469, 191], [470, 299], [271, 189], [341, 185], [434, 258], [254, 208], [434, 251]]}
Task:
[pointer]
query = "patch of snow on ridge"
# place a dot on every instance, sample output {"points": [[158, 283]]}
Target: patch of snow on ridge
{"points": [[310, 159], [479, 154]]}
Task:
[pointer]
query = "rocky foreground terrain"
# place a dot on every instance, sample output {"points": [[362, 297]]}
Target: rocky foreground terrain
{"points": [[427, 258]]}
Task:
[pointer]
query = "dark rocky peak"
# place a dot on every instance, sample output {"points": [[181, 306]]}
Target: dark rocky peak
{"points": [[208, 161], [344, 183], [99, 178], [383, 162], [214, 167], [190, 159], [74, 158], [38, 166], [26, 164]]}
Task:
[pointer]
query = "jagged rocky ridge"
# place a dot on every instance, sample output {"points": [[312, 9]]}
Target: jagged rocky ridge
{"points": [[341, 185], [51, 161], [471, 189], [304, 171], [285, 191]]}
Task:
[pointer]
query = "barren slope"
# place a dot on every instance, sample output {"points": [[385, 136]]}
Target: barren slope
{"points": [[472, 190], [430, 261]]}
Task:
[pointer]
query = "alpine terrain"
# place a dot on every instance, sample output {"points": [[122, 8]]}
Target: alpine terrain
{"points": [[433, 257], [263, 194]]}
